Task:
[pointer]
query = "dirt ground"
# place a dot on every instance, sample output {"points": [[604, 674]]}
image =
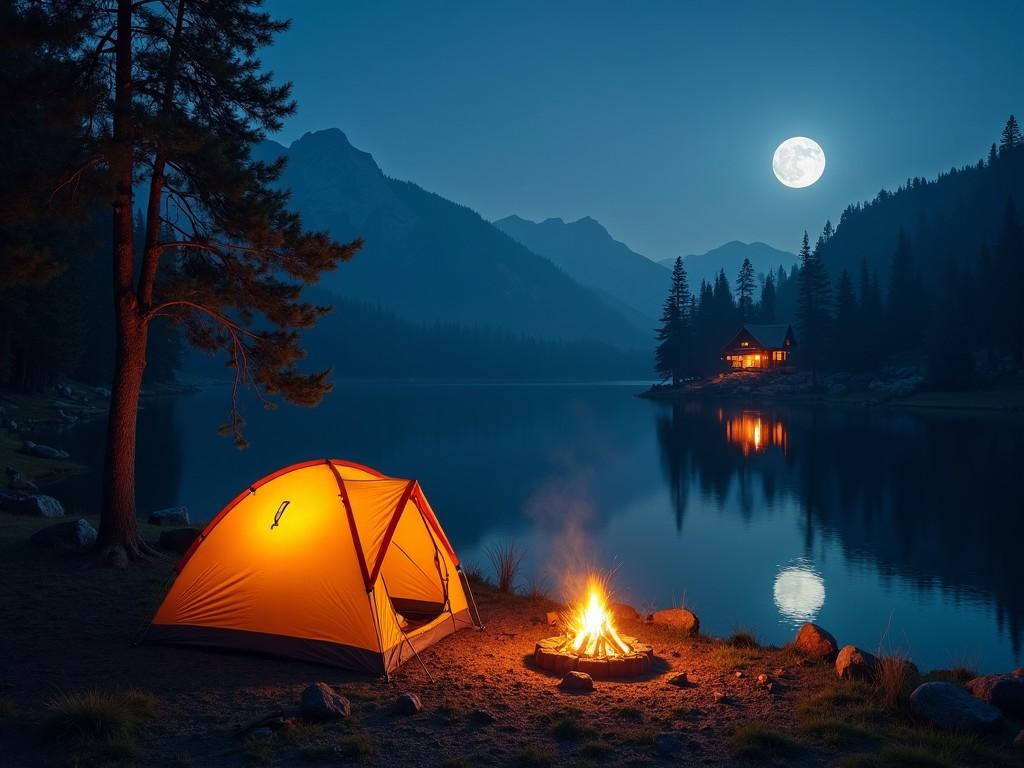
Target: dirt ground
{"points": [[68, 628]]}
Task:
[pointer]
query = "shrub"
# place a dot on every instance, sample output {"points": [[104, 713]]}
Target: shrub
{"points": [[742, 638], [505, 559], [98, 715]]}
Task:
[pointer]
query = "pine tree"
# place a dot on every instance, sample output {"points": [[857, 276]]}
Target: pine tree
{"points": [[950, 342], [906, 307], [1008, 267], [184, 100], [847, 338], [813, 303], [1011, 136], [993, 155], [673, 356], [766, 310], [745, 291]]}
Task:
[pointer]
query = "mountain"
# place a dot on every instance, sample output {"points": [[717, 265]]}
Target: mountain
{"points": [[705, 266], [592, 257], [427, 259]]}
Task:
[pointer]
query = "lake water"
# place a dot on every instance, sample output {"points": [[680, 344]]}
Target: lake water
{"points": [[893, 529]]}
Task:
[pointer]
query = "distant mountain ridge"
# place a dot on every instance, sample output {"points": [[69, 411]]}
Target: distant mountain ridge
{"points": [[730, 256], [591, 256], [428, 259]]}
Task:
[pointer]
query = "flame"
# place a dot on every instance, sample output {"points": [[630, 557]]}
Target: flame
{"points": [[590, 625]]}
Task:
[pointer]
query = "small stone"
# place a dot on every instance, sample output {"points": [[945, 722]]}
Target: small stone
{"points": [[407, 704], [950, 707], [667, 743], [576, 681], [483, 717], [682, 680], [721, 698], [321, 702], [678, 618], [815, 642], [1006, 692], [77, 534], [169, 516], [762, 679], [770, 686], [854, 664], [737, 674], [676, 654], [178, 539], [779, 672]]}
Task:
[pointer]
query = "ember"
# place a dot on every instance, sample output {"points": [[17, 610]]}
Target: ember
{"points": [[591, 643]]}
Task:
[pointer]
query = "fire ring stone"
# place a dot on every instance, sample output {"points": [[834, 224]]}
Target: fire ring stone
{"points": [[548, 656]]}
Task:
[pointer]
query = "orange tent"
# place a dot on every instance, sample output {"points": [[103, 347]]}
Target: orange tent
{"points": [[325, 561]]}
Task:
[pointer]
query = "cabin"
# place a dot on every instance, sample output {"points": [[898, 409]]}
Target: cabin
{"points": [[759, 347]]}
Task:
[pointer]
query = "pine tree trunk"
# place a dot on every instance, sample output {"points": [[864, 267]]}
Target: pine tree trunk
{"points": [[119, 539]]}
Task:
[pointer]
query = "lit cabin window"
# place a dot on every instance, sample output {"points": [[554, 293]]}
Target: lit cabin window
{"points": [[744, 343]]}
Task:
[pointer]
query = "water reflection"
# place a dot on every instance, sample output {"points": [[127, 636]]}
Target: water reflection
{"points": [[799, 591], [753, 432]]}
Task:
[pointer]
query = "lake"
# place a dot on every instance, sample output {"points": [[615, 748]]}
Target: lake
{"points": [[895, 530]]}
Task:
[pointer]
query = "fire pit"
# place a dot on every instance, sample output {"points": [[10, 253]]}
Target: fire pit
{"points": [[591, 643]]}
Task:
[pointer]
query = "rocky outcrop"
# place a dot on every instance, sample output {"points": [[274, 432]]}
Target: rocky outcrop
{"points": [[952, 708], [34, 504], [1006, 692], [76, 534], [321, 702], [677, 618], [815, 643], [169, 516], [854, 664]]}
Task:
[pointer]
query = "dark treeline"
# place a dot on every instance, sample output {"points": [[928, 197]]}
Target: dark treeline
{"points": [[942, 291]]}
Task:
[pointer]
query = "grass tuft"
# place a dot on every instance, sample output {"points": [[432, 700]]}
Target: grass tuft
{"points": [[752, 742], [742, 638], [566, 724], [894, 676], [98, 715], [356, 747], [505, 559]]}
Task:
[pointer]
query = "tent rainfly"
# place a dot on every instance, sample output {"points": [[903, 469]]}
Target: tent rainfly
{"points": [[326, 561]]}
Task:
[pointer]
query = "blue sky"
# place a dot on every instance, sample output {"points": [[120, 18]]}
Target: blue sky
{"points": [[657, 119]]}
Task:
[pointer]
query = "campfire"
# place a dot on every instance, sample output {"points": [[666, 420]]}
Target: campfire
{"points": [[591, 642]]}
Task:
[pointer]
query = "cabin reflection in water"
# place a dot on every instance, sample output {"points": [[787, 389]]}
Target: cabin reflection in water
{"points": [[754, 432]]}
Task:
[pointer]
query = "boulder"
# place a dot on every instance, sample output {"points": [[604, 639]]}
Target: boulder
{"points": [[43, 451], [1006, 692], [951, 708], [407, 704], [577, 681], [321, 702], [178, 539], [169, 516], [76, 534], [854, 664], [35, 504], [814, 642], [624, 612], [677, 618]]}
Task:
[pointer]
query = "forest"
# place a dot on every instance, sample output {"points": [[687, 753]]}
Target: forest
{"points": [[927, 275]]}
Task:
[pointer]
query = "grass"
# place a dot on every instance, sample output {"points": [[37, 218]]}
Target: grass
{"points": [[894, 676], [631, 714], [833, 732], [729, 656], [742, 638], [955, 675], [532, 758], [752, 742], [505, 559], [98, 715], [356, 747], [566, 725]]}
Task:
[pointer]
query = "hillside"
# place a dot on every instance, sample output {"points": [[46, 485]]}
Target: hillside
{"points": [[730, 256], [947, 220], [428, 259], [592, 257]]}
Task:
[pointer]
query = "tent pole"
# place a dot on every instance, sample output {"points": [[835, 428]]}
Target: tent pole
{"points": [[472, 600]]}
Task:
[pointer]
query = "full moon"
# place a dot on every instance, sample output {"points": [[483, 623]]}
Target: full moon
{"points": [[798, 162]]}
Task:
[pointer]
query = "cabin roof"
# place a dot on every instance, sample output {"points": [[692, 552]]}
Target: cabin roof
{"points": [[769, 336]]}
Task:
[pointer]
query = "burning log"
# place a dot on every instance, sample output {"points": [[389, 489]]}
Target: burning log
{"points": [[591, 643]]}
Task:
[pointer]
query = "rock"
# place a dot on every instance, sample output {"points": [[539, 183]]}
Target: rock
{"points": [[43, 451], [577, 681], [624, 612], [762, 679], [815, 642], [321, 702], [950, 707], [854, 664], [407, 704], [35, 504], [482, 716], [179, 539], [722, 698], [668, 744], [552, 618], [169, 516], [17, 482], [76, 534], [682, 680], [1006, 692], [678, 618], [67, 418], [737, 674], [101, 391], [12, 425]]}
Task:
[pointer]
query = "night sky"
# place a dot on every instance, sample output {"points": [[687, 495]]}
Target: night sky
{"points": [[657, 119]]}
